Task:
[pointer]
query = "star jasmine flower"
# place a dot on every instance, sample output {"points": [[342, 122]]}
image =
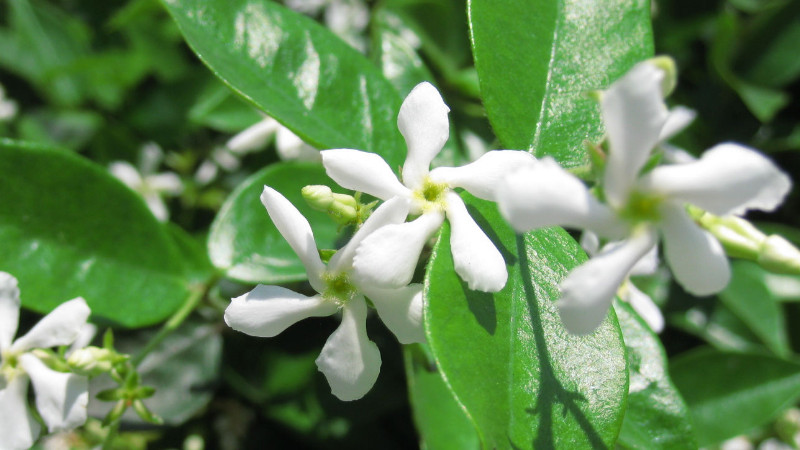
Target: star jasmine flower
{"points": [[349, 360], [61, 398], [146, 182], [388, 256], [638, 208]]}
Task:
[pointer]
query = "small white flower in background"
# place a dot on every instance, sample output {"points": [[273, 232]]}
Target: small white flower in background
{"points": [[349, 360], [61, 398], [8, 107], [150, 185], [727, 179], [348, 19], [388, 256]]}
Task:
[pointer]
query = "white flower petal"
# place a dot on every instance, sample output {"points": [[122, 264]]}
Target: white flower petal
{"points": [[590, 243], [297, 232], [156, 206], [695, 257], [728, 179], [85, 336], [647, 264], [166, 183], [676, 155], [475, 258], [61, 398], [349, 360], [423, 123], [400, 310], [268, 310], [545, 194], [290, 147], [634, 113], [9, 309], [388, 256], [392, 211], [645, 307], [206, 172], [126, 173], [60, 327], [150, 157], [253, 138], [363, 172], [18, 427], [481, 177], [587, 292], [678, 118]]}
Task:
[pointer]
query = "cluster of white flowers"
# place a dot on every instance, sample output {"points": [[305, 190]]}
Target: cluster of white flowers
{"points": [[61, 397], [629, 210]]}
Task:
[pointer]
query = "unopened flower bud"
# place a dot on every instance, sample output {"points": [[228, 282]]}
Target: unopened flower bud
{"points": [[91, 361], [779, 255], [342, 208]]}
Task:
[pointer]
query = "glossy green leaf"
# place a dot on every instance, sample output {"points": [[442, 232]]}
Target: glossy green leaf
{"points": [[537, 61], [245, 243], [441, 421], [656, 416], [220, 108], [68, 229], [297, 71], [523, 379], [398, 60], [729, 394]]}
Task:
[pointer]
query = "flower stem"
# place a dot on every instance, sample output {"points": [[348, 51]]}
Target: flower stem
{"points": [[113, 429]]}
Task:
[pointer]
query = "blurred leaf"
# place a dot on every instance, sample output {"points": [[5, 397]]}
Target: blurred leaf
{"points": [[537, 61], [246, 244], [441, 421], [219, 108], [730, 394], [769, 56], [399, 61], [182, 369], [193, 253], [67, 128], [656, 416], [297, 71], [523, 379], [68, 228], [748, 296]]}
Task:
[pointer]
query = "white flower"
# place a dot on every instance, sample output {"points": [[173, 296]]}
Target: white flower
{"points": [[388, 256], [349, 360], [61, 398], [348, 19], [150, 185], [8, 107], [727, 179]]}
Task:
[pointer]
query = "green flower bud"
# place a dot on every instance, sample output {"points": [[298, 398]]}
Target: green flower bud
{"points": [[342, 208], [92, 361], [779, 255], [666, 64]]}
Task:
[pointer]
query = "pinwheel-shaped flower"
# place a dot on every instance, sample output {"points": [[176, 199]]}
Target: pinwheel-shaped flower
{"points": [[388, 256], [727, 179], [61, 398], [146, 182], [349, 360]]}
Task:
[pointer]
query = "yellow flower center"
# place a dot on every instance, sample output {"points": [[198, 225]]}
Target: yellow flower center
{"points": [[338, 288], [642, 207], [431, 195]]}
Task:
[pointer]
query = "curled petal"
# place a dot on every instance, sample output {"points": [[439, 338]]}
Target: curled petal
{"points": [[268, 310], [423, 123], [253, 137], [475, 258], [61, 327], [297, 232], [400, 310], [61, 398], [388, 256], [645, 307], [678, 118], [18, 428], [544, 195], [349, 360], [634, 113], [363, 172], [481, 177], [392, 211], [695, 257], [9, 309], [728, 179], [588, 290]]}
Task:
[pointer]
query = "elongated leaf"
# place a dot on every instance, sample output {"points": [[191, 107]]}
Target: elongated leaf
{"points": [[731, 393], [524, 380], [296, 71], [440, 419], [537, 60], [245, 243], [657, 416], [68, 229]]}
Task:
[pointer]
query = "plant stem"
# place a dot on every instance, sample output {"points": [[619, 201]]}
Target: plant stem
{"points": [[112, 434]]}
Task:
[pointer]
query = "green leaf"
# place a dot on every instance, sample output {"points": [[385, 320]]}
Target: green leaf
{"points": [[537, 60], [441, 421], [731, 393], [750, 299], [68, 229], [399, 61], [523, 379], [220, 108], [297, 71], [657, 416], [246, 244]]}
